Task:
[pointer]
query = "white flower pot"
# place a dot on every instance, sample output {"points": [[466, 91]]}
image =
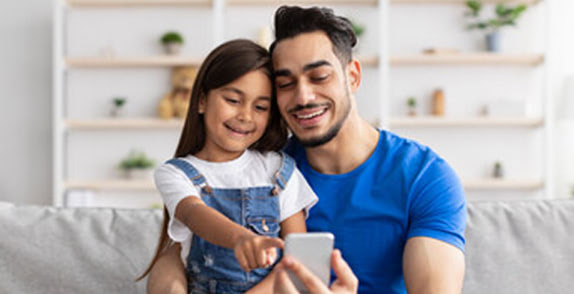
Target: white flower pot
{"points": [[139, 173], [172, 48]]}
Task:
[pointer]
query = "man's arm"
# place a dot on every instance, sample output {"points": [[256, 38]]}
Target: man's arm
{"points": [[168, 274], [432, 266]]}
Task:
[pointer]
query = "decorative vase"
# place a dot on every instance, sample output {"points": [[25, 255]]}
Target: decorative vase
{"points": [[493, 42], [172, 48], [438, 102]]}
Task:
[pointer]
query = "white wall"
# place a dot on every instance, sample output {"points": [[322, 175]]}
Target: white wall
{"points": [[563, 71], [25, 114], [25, 75]]}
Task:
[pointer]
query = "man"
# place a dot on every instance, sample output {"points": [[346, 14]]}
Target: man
{"points": [[397, 210]]}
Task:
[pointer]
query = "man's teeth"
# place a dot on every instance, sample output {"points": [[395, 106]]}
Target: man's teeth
{"points": [[311, 115]]}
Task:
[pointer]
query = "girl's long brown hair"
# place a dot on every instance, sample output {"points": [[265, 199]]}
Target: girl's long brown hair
{"points": [[223, 65]]}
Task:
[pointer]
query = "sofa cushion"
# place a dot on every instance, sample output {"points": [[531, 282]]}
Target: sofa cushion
{"points": [[80, 250], [520, 247]]}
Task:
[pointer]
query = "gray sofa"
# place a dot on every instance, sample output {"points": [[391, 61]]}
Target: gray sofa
{"points": [[512, 247]]}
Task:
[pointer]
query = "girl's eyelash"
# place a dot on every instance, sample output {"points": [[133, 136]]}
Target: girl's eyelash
{"points": [[231, 100]]}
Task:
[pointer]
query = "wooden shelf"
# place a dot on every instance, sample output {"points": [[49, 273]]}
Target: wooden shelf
{"points": [[152, 61], [468, 59], [430, 121], [128, 3], [302, 2], [115, 184], [121, 123], [496, 184], [148, 185], [369, 60], [160, 61], [461, 2]]}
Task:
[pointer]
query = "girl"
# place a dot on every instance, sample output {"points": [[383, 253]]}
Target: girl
{"points": [[229, 194]]}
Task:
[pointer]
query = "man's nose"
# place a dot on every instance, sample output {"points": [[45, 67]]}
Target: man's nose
{"points": [[304, 94]]}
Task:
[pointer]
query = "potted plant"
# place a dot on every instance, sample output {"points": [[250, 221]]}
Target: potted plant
{"points": [[137, 165], [498, 171], [412, 106], [118, 106], [504, 16], [359, 30], [172, 42]]}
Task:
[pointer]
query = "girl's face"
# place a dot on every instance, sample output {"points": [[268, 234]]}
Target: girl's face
{"points": [[235, 116]]}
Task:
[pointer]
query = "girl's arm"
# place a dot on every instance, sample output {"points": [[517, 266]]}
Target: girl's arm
{"points": [[293, 224], [168, 275], [251, 250]]}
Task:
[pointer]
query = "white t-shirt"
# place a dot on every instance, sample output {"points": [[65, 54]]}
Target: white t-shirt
{"points": [[251, 169]]}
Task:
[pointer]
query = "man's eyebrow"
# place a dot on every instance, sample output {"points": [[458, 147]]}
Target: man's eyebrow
{"points": [[282, 73], [316, 64], [308, 67]]}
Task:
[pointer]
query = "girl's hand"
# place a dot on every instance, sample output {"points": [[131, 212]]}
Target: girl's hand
{"points": [[254, 251]]}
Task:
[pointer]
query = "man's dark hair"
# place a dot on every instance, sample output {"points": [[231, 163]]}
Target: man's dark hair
{"points": [[291, 21]]}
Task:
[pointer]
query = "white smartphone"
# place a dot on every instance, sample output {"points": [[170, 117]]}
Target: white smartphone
{"points": [[314, 251]]}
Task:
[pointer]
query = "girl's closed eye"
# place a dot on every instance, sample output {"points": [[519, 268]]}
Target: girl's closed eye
{"points": [[231, 100], [262, 107]]}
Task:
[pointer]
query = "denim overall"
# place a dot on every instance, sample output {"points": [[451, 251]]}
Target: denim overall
{"points": [[214, 269]]}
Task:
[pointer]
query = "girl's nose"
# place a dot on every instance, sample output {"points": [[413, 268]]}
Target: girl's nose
{"points": [[244, 114]]}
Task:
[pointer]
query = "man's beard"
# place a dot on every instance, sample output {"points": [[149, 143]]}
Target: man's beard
{"points": [[331, 133]]}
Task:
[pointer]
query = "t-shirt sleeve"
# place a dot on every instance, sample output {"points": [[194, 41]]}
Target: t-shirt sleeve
{"points": [[297, 196], [173, 185], [438, 205]]}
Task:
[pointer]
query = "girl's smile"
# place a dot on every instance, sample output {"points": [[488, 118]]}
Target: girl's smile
{"points": [[236, 116]]}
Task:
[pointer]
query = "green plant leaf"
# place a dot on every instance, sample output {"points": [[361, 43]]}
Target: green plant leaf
{"points": [[172, 37]]}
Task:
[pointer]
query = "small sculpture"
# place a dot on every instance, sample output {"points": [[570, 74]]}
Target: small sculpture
{"points": [[176, 102], [484, 110], [265, 37]]}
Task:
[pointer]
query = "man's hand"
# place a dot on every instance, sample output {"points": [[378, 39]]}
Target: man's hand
{"points": [[346, 281], [256, 251]]}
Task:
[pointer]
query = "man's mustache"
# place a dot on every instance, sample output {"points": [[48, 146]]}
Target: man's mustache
{"points": [[306, 106]]}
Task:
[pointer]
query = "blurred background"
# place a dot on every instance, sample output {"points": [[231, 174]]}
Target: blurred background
{"points": [[488, 85]]}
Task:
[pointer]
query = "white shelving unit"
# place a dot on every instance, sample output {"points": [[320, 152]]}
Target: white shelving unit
{"points": [[70, 62], [453, 126], [70, 66]]}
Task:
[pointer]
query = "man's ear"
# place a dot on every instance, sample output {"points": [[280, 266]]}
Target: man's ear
{"points": [[354, 75]]}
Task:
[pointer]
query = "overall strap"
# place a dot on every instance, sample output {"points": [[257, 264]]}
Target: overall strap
{"points": [[284, 173], [191, 172]]}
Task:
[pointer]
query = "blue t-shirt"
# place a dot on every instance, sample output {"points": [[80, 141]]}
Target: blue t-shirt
{"points": [[403, 190]]}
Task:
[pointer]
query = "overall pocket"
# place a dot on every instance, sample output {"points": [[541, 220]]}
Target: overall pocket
{"points": [[264, 226]]}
